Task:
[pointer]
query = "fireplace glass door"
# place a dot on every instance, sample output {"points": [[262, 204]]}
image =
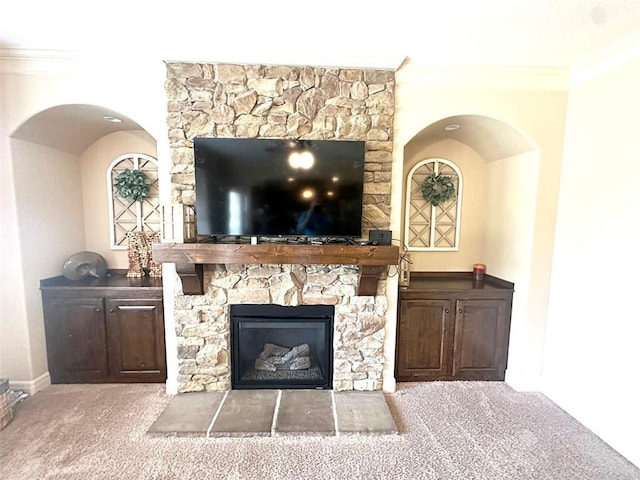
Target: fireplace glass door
{"points": [[275, 346]]}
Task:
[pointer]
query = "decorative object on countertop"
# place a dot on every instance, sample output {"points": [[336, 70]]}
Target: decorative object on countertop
{"points": [[179, 223], [132, 184], [140, 254], [437, 188], [6, 410], [479, 269], [84, 264]]}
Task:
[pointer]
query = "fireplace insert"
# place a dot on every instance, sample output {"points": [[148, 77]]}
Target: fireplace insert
{"points": [[275, 346]]}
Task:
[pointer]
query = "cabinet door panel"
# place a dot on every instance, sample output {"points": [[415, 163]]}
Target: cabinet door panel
{"points": [[423, 340], [481, 331], [76, 340], [135, 329]]}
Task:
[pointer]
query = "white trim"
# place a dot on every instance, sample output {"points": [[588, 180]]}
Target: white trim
{"points": [[171, 284], [22, 61], [418, 75], [613, 56], [521, 383], [31, 386]]}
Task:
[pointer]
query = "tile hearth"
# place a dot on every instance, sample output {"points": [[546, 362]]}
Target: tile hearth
{"points": [[245, 413]]}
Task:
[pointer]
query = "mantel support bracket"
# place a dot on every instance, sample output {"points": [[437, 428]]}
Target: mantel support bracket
{"points": [[368, 278], [192, 276]]}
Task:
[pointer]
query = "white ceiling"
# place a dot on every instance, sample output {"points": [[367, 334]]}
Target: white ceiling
{"points": [[341, 33]]}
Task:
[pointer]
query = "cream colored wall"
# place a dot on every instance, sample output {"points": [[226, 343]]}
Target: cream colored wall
{"points": [[94, 163], [49, 212], [511, 190], [537, 109], [28, 87], [591, 355], [474, 177], [14, 335]]}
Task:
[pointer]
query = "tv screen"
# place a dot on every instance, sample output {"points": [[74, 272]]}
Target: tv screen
{"points": [[256, 187]]}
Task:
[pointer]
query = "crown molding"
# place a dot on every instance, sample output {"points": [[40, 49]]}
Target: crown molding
{"points": [[39, 62], [417, 74], [614, 55], [50, 62]]}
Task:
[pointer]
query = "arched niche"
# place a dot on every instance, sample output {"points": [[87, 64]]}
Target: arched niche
{"points": [[58, 159], [500, 166]]}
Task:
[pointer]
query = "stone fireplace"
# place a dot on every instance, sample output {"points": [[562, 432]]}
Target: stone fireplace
{"points": [[203, 323], [299, 102]]}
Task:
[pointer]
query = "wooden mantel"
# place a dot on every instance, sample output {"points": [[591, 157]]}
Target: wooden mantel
{"points": [[189, 258]]}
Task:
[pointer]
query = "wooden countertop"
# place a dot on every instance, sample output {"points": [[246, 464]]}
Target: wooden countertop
{"points": [[454, 281], [113, 279]]}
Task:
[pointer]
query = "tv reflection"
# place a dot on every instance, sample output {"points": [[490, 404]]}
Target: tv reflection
{"points": [[313, 221]]}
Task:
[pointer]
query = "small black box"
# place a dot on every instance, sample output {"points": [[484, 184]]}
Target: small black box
{"points": [[382, 237]]}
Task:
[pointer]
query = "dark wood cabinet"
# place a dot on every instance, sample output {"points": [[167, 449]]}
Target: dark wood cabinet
{"points": [[104, 330], [452, 328], [76, 339], [424, 339]]}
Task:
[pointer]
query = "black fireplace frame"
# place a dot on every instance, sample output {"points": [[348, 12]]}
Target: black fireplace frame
{"points": [[268, 313]]}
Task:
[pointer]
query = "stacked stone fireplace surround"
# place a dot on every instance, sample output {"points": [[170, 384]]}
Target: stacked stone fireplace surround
{"points": [[297, 102]]}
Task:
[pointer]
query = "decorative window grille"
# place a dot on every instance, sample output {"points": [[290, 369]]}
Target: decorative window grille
{"points": [[428, 227], [128, 215]]}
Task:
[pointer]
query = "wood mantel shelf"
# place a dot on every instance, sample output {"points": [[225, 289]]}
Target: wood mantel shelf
{"points": [[189, 258]]}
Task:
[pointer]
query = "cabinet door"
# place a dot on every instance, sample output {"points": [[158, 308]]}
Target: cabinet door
{"points": [[76, 340], [481, 339], [424, 340], [135, 332]]}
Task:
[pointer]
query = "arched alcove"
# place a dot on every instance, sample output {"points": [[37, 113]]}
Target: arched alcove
{"points": [[58, 160], [498, 215]]}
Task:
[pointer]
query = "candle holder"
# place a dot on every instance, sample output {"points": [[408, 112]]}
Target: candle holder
{"points": [[479, 269]]}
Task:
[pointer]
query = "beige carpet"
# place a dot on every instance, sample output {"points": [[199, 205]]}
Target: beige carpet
{"points": [[454, 430]]}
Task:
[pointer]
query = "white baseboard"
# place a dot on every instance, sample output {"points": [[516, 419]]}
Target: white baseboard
{"points": [[31, 386], [171, 387], [523, 383]]}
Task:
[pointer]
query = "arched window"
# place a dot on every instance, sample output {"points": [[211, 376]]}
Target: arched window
{"points": [[128, 215], [429, 227]]}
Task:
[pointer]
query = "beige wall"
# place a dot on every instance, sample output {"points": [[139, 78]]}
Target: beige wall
{"points": [[49, 212], [472, 221], [26, 88], [94, 163], [511, 189], [591, 356], [423, 97]]}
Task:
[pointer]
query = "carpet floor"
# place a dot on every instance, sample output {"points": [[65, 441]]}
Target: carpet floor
{"points": [[448, 430]]}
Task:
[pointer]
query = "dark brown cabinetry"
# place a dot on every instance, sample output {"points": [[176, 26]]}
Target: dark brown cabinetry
{"points": [[104, 330], [452, 328]]}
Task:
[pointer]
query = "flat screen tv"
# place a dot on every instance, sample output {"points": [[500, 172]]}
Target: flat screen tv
{"points": [[254, 187]]}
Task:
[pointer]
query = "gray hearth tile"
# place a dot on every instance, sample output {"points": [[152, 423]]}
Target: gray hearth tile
{"points": [[187, 415], [245, 413], [363, 413], [305, 412]]}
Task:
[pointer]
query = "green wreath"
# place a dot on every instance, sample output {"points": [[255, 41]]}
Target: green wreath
{"points": [[437, 189], [132, 184]]}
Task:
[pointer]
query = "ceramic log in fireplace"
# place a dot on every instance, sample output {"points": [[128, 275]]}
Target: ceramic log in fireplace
{"points": [[275, 346]]}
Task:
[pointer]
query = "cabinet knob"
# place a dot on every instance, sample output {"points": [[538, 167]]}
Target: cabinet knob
{"points": [[459, 310], [97, 309], [446, 310], [111, 310]]}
